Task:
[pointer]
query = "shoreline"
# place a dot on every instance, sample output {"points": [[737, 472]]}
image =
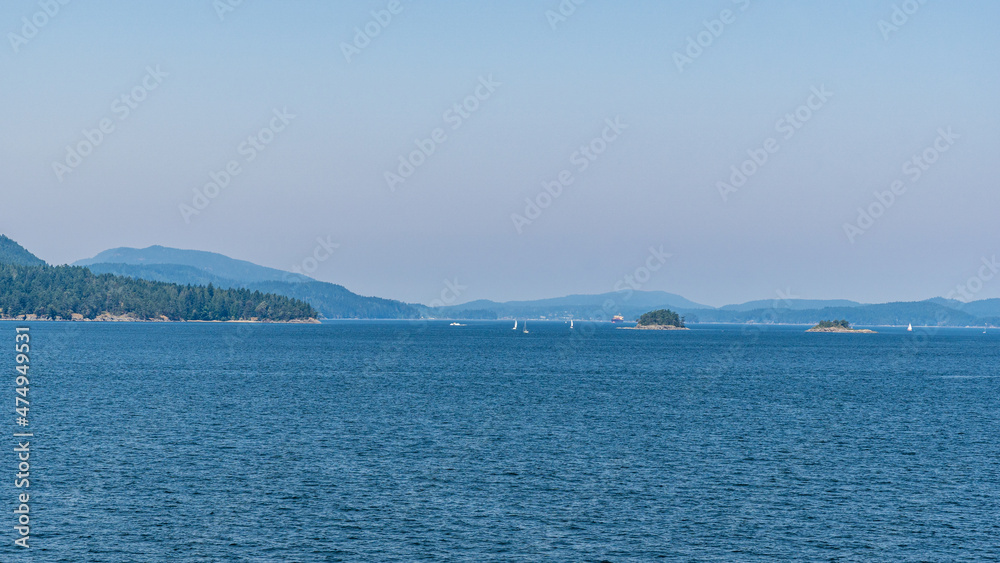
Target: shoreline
{"points": [[842, 330], [129, 319], [654, 327]]}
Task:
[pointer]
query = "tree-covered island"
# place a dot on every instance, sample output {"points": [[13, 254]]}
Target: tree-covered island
{"points": [[660, 319], [838, 326]]}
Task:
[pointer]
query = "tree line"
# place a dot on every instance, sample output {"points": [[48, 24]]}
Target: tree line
{"points": [[62, 291], [834, 324], [664, 317]]}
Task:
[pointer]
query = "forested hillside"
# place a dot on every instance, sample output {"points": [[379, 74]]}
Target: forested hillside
{"points": [[13, 253], [197, 267], [60, 292]]}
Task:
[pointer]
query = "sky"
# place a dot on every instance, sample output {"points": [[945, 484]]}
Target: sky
{"points": [[424, 150]]}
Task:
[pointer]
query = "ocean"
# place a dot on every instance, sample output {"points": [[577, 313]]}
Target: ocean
{"points": [[419, 441]]}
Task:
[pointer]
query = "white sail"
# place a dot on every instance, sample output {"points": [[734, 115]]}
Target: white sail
{"points": [[909, 327], [515, 324]]}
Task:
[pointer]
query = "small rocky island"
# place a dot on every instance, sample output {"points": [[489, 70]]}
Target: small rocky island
{"points": [[660, 319], [838, 326]]}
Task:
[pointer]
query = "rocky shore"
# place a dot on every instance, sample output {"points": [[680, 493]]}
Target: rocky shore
{"points": [[841, 329]]}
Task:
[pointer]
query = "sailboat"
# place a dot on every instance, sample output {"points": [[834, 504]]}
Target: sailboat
{"points": [[909, 327], [571, 323], [525, 326], [515, 324]]}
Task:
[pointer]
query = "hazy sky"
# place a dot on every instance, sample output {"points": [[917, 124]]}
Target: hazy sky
{"points": [[839, 97]]}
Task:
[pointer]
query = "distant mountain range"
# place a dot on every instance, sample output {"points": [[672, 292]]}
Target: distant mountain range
{"points": [[197, 267], [601, 306], [631, 304], [932, 312]]}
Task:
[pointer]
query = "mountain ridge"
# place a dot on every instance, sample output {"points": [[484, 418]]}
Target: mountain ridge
{"points": [[159, 263], [931, 312], [200, 267], [213, 262]]}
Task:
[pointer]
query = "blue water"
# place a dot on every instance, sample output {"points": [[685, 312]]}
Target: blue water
{"points": [[407, 441]]}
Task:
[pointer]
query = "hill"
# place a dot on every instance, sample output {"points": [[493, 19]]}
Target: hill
{"points": [[196, 267], [213, 263], [983, 308], [168, 273], [65, 292], [13, 253], [336, 302], [31, 288]]}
